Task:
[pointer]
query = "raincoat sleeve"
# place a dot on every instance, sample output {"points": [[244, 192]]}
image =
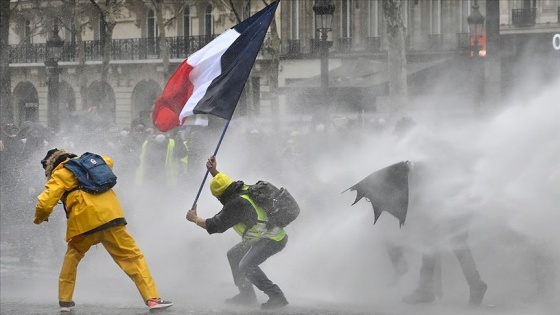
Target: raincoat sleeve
{"points": [[109, 161], [60, 181]]}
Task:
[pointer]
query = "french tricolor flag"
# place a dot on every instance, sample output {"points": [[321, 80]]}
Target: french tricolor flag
{"points": [[210, 81]]}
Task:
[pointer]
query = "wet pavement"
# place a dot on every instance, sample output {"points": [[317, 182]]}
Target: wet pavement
{"points": [[90, 309], [29, 287]]}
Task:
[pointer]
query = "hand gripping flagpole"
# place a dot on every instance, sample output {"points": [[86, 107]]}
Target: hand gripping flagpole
{"points": [[207, 170]]}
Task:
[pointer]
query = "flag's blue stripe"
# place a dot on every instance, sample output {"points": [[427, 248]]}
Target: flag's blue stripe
{"points": [[237, 61], [262, 15]]}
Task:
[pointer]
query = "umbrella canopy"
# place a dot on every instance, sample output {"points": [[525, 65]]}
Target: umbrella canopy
{"points": [[387, 190]]}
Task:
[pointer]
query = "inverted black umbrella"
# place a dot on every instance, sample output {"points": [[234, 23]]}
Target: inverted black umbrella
{"points": [[387, 190]]}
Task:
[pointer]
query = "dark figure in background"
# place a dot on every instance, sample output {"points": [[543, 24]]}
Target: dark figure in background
{"points": [[131, 146], [162, 162], [91, 219], [10, 150], [258, 242], [456, 229], [195, 140], [430, 187], [12, 205]]}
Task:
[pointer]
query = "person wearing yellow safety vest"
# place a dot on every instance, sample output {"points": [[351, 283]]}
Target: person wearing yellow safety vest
{"points": [[258, 243], [162, 160]]}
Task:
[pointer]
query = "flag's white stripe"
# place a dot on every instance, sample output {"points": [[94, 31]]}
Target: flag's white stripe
{"points": [[206, 65]]}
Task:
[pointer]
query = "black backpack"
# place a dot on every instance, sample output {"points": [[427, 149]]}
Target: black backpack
{"points": [[279, 205], [93, 174]]}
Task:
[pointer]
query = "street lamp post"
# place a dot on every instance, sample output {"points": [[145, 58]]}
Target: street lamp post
{"points": [[324, 11], [476, 24], [53, 54]]}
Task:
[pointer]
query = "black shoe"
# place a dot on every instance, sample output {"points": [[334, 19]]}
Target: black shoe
{"points": [[477, 293], [275, 301], [242, 299], [419, 296]]}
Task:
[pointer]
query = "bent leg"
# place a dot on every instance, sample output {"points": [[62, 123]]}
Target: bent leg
{"points": [[76, 250], [259, 252], [396, 256], [468, 266], [430, 281], [234, 255], [122, 247], [466, 260]]}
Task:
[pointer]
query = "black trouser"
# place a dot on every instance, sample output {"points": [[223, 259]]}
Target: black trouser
{"points": [[431, 268], [244, 260]]}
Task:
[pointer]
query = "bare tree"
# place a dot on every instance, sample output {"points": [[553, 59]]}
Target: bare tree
{"points": [[271, 47], [81, 18], [272, 66], [173, 9], [109, 11], [6, 109], [396, 30], [75, 17]]}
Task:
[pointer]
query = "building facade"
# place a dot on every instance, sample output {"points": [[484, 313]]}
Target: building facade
{"points": [[286, 79]]}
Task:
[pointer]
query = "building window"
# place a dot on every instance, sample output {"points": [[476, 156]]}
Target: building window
{"points": [[346, 18], [294, 23], [435, 17], [550, 6], [373, 18], [528, 4], [208, 21], [152, 26], [27, 36], [187, 20]]}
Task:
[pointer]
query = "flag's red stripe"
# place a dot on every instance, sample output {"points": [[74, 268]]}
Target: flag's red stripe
{"points": [[174, 96]]}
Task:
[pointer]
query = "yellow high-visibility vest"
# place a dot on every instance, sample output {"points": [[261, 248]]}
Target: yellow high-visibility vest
{"points": [[258, 230], [171, 165]]}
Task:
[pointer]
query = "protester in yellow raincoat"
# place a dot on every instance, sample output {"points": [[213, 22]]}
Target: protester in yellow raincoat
{"points": [[92, 219]]}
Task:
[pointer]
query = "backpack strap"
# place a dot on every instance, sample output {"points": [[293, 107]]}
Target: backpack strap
{"points": [[64, 196]]}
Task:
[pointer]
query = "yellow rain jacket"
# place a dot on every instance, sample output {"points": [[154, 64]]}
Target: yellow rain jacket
{"points": [[85, 211]]}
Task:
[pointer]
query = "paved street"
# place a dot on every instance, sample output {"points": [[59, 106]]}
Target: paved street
{"points": [[197, 280], [32, 291], [90, 309]]}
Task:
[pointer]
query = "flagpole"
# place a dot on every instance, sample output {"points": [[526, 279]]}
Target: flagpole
{"points": [[218, 91], [207, 170]]}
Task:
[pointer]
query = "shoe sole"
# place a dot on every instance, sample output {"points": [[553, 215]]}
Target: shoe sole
{"points": [[66, 309], [160, 308]]}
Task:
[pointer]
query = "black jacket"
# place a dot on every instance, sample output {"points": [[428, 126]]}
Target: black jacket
{"points": [[236, 210]]}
